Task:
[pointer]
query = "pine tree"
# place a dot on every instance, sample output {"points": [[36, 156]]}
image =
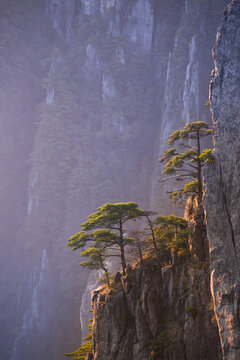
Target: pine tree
{"points": [[108, 222], [187, 164], [85, 350], [97, 260], [173, 232], [151, 227], [140, 244]]}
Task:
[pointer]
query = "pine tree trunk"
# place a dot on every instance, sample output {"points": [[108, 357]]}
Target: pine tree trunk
{"points": [[140, 253], [199, 170], [122, 252], [107, 277], [154, 239], [105, 270]]}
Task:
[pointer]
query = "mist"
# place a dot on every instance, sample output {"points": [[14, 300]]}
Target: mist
{"points": [[90, 91]]}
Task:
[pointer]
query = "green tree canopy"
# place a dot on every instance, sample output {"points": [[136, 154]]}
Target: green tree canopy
{"points": [[111, 215], [187, 164], [97, 260], [107, 223], [86, 348], [173, 232]]}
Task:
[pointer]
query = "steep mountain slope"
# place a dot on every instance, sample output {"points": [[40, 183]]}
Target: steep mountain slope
{"points": [[222, 183], [156, 313], [90, 91]]}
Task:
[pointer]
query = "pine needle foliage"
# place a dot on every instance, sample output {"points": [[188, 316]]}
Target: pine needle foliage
{"points": [[82, 352], [172, 232], [185, 161], [86, 348], [105, 228], [97, 259], [97, 253]]}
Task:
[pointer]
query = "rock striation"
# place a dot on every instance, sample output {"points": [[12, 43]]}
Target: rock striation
{"points": [[156, 313], [91, 90], [222, 186], [160, 312]]}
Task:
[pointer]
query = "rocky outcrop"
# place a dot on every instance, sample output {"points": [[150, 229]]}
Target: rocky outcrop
{"points": [[160, 311], [90, 90], [156, 313], [222, 183]]}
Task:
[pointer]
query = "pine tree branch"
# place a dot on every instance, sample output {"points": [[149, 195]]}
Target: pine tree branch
{"points": [[186, 170], [187, 176], [170, 192], [192, 166]]}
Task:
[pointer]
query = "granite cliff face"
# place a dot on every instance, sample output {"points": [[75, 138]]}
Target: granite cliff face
{"points": [[90, 92], [148, 296], [160, 312], [157, 314], [167, 313], [222, 186]]}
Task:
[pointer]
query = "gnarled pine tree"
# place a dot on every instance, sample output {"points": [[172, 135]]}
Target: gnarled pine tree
{"points": [[187, 164], [108, 224]]}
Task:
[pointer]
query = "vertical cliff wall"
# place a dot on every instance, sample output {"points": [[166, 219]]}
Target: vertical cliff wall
{"points": [[186, 83], [90, 92], [222, 182], [157, 312]]}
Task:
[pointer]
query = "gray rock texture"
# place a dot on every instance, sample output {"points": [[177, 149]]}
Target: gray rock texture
{"points": [[222, 184], [90, 91], [156, 313]]}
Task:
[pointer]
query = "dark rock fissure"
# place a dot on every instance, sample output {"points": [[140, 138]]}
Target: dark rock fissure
{"points": [[229, 220]]}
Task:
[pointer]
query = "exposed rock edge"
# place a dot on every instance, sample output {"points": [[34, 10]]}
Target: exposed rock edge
{"points": [[222, 183]]}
